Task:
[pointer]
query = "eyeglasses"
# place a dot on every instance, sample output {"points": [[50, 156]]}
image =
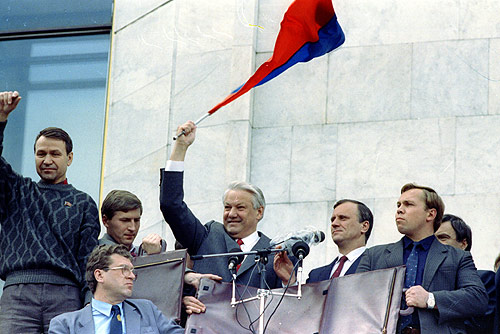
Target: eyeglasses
{"points": [[126, 270]]}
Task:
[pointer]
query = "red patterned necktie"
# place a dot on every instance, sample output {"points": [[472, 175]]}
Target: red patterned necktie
{"points": [[337, 271], [239, 242]]}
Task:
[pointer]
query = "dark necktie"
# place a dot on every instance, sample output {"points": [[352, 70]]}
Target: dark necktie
{"points": [[337, 271], [115, 326], [239, 242], [411, 267], [133, 253], [410, 279]]}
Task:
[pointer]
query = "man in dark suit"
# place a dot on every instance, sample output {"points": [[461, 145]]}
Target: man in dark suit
{"points": [[497, 311], [243, 208], [442, 282], [110, 276], [455, 232], [352, 223]]}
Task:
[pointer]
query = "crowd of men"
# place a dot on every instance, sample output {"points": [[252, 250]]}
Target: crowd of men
{"points": [[60, 278]]}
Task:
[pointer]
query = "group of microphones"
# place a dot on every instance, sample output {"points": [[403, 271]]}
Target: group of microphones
{"points": [[296, 244]]}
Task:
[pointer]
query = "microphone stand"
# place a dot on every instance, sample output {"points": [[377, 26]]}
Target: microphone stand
{"points": [[262, 293]]}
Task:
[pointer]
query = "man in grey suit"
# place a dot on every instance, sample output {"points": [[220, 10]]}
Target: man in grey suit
{"points": [[243, 209], [121, 213], [110, 276], [442, 282]]}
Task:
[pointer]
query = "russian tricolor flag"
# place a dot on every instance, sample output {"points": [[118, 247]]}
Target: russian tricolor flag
{"points": [[309, 29]]}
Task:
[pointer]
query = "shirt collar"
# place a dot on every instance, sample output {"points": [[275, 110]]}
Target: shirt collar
{"points": [[251, 239], [104, 308], [354, 254], [424, 243]]}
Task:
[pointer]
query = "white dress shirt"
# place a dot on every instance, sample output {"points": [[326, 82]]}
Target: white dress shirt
{"points": [[351, 258]]}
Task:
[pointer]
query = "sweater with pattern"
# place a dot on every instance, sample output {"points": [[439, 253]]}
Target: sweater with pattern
{"points": [[46, 230]]}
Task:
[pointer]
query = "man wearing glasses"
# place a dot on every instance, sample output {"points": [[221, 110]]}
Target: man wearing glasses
{"points": [[110, 276]]}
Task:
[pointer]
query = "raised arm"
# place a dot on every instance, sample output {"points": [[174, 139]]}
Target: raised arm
{"points": [[183, 142], [8, 102]]}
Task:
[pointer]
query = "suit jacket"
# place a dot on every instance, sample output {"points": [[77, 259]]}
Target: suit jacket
{"points": [[141, 316], [449, 273], [497, 310], [484, 323], [323, 273], [210, 238]]}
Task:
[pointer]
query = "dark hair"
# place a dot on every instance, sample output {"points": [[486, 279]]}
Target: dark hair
{"points": [[431, 199], [100, 258], [462, 230], [119, 200], [56, 133], [364, 214]]}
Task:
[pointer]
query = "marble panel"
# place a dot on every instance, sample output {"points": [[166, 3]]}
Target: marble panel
{"points": [[494, 77], [270, 156], [450, 79], [376, 159], [478, 154], [479, 19], [313, 161], [270, 15], [137, 126], [142, 178], [481, 212], [201, 82], [203, 26], [245, 24], [281, 219], [142, 53], [296, 97], [238, 152], [369, 22], [128, 11], [242, 68], [369, 83], [384, 226], [205, 164]]}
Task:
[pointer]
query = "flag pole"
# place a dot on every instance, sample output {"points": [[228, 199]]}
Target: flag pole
{"points": [[199, 120]]}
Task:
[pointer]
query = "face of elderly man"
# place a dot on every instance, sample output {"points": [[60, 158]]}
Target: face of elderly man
{"points": [[240, 217]]}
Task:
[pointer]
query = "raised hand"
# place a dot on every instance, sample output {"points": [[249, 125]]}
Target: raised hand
{"points": [[8, 102]]}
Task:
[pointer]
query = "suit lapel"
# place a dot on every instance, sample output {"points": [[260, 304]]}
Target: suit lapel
{"points": [[250, 260], [132, 317], [230, 243], [437, 254], [324, 274], [394, 254], [85, 323]]}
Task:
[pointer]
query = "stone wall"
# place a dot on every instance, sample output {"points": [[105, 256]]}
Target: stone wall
{"points": [[412, 96]]}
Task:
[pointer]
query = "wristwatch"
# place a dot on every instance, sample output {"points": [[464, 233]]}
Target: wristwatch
{"points": [[431, 302]]}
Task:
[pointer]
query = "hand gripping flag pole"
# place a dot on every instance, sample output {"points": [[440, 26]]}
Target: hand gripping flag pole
{"points": [[309, 29]]}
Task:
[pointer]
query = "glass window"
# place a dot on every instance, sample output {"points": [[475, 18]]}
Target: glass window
{"points": [[55, 53], [53, 15], [63, 83]]}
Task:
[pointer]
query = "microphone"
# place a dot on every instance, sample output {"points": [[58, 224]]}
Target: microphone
{"points": [[298, 243], [234, 260]]}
